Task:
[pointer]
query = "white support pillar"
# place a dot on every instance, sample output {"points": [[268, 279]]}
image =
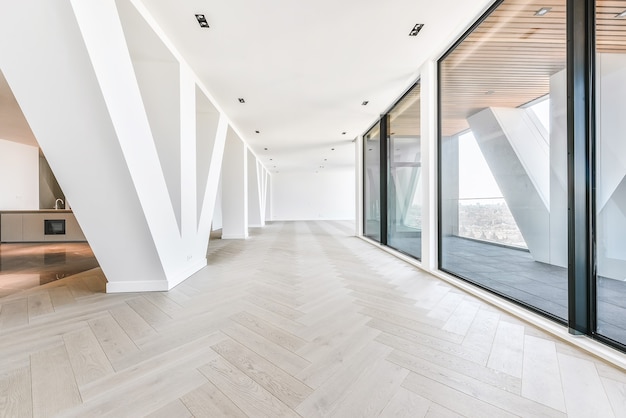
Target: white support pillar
{"points": [[428, 123], [358, 159], [255, 218], [235, 188], [262, 177], [268, 197]]}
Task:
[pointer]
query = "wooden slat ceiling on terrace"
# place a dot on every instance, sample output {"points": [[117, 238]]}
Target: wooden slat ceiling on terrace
{"points": [[509, 58], [405, 116]]}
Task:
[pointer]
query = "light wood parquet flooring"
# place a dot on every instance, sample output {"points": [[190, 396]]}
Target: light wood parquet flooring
{"points": [[300, 320]]}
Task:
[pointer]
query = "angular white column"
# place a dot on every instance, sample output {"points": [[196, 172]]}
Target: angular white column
{"points": [[235, 188], [91, 109]]}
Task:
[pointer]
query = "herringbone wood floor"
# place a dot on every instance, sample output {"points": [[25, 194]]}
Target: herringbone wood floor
{"points": [[300, 320]]}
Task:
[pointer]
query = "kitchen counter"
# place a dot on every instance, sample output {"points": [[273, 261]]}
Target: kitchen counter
{"points": [[38, 211], [42, 225]]}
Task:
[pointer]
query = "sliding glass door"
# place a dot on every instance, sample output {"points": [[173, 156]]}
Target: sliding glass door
{"points": [[404, 191], [371, 184], [611, 169], [503, 155]]}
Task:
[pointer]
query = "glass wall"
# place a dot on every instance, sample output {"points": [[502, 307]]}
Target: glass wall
{"points": [[404, 194], [371, 183], [503, 155], [611, 169]]}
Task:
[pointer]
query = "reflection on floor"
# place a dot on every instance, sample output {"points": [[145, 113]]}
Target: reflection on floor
{"points": [[516, 274], [23, 266]]}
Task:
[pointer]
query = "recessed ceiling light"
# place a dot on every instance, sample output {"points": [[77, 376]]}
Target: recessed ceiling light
{"points": [[620, 15], [332, 149], [202, 21], [416, 29], [258, 133], [265, 149], [271, 159], [343, 133], [325, 159], [241, 100], [543, 11], [365, 102]]}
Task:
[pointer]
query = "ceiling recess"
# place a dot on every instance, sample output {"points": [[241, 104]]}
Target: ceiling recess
{"points": [[202, 21], [416, 29]]}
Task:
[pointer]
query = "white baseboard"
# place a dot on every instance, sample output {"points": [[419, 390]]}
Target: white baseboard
{"points": [[156, 285], [235, 236], [137, 286]]}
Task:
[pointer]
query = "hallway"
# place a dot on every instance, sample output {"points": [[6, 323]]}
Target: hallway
{"points": [[302, 319]]}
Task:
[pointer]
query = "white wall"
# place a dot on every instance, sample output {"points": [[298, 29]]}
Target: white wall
{"points": [[19, 176], [312, 196]]}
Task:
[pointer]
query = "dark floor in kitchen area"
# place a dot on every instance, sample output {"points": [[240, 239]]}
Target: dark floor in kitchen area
{"points": [[26, 265]]}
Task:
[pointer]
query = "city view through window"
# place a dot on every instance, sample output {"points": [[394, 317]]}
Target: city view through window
{"points": [[483, 212]]}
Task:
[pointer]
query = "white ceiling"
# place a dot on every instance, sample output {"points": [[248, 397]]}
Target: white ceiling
{"points": [[303, 67]]}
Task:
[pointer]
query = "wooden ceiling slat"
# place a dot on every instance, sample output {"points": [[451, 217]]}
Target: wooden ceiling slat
{"points": [[512, 55]]}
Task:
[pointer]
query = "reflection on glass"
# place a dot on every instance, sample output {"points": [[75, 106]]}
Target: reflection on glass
{"points": [[611, 171], [371, 184], [404, 198], [503, 156]]}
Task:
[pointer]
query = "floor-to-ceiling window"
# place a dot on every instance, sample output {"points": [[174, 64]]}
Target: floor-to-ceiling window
{"points": [[371, 184], [611, 168], [404, 191], [503, 155]]}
